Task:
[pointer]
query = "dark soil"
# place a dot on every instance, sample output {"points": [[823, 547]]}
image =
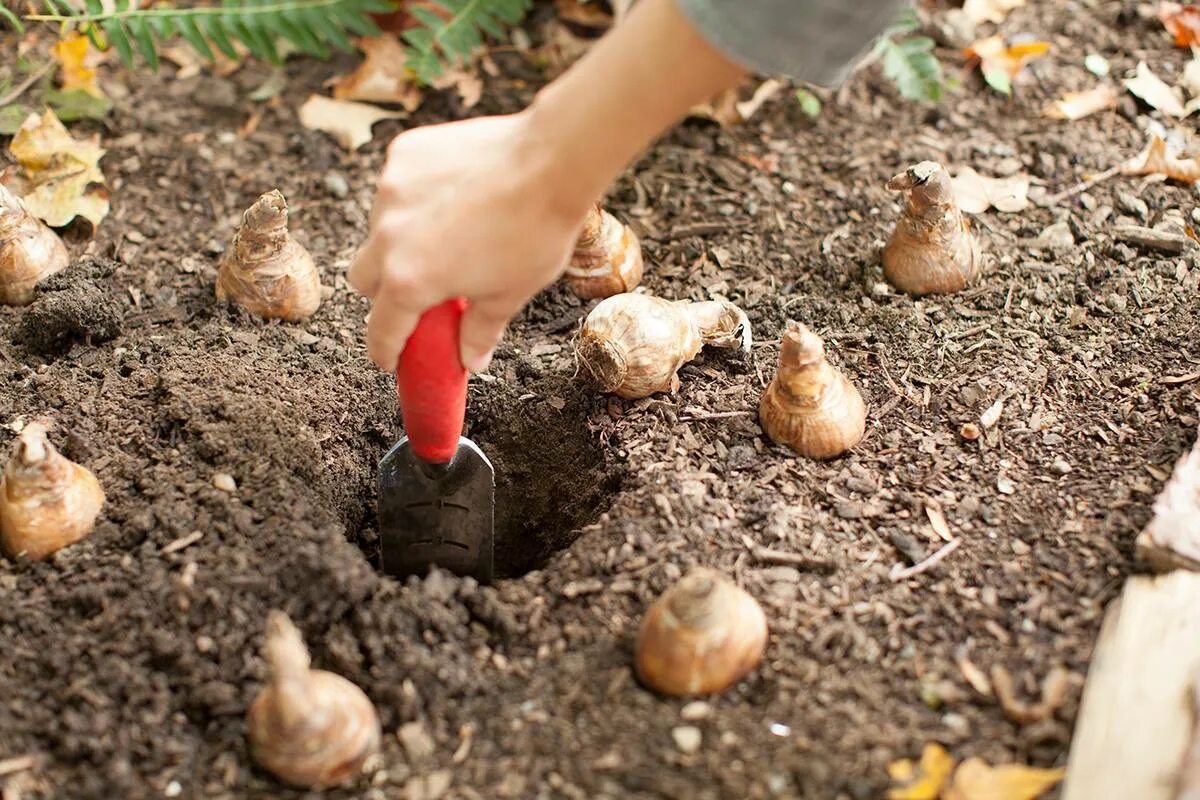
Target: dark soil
{"points": [[127, 664]]}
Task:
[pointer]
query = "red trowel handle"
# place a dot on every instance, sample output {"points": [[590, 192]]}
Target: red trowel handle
{"points": [[432, 384]]}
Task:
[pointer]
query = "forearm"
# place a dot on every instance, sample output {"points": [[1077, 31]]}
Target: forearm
{"points": [[635, 83]]}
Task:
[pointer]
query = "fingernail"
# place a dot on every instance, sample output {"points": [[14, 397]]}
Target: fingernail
{"points": [[480, 363]]}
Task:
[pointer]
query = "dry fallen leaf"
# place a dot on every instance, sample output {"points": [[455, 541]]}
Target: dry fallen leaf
{"points": [[588, 15], [75, 68], [382, 76], [976, 193], [348, 122], [1156, 94], [937, 521], [1077, 105], [58, 177], [727, 110], [1182, 22], [994, 11], [975, 780], [1001, 60], [560, 47], [466, 82], [922, 781], [1157, 160]]}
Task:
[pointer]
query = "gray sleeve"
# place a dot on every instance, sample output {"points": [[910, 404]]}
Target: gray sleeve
{"points": [[812, 40]]}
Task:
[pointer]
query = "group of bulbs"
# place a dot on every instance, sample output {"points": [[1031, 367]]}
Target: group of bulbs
{"points": [[311, 728], [633, 345]]}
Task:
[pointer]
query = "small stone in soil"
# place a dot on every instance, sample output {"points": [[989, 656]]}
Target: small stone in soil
{"points": [[336, 184], [696, 710], [1060, 467], [417, 743], [225, 482], [687, 738]]}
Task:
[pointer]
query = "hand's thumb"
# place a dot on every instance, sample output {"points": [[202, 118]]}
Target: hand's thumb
{"points": [[482, 328]]}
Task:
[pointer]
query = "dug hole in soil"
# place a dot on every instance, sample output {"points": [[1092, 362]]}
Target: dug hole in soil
{"points": [[129, 660]]}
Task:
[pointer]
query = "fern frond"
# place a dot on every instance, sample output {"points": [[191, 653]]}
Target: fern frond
{"points": [[452, 37], [314, 27]]}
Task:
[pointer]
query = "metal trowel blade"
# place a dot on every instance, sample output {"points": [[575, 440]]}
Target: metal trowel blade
{"points": [[437, 513]]}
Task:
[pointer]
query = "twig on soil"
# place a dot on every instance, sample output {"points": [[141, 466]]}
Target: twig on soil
{"points": [[182, 542], [1170, 243], [16, 764], [703, 415], [21, 87], [1083, 185], [1178, 380], [698, 229], [765, 555], [901, 573]]}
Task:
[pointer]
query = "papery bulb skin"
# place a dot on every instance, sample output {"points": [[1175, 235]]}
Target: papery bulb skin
{"points": [[700, 637], [29, 251], [607, 259], [268, 272], [632, 345], [931, 251], [309, 728], [47, 501], [810, 406]]}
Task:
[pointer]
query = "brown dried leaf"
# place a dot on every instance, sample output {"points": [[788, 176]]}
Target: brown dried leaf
{"points": [[728, 110], [975, 780], [1182, 22], [350, 123], [1157, 160], [466, 82], [1154, 92], [382, 76], [58, 177], [976, 193], [585, 14], [1077, 105], [922, 781], [938, 521]]}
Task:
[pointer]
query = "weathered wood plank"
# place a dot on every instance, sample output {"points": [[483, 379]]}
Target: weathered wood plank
{"points": [[1136, 722], [1172, 539]]}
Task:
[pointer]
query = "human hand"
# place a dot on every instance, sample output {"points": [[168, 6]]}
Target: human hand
{"points": [[467, 209]]}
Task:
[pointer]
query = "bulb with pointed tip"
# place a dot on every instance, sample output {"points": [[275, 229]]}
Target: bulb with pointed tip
{"points": [[607, 259], [634, 344], [267, 271], [47, 501], [702, 636], [29, 251], [810, 405], [931, 251], [308, 727]]}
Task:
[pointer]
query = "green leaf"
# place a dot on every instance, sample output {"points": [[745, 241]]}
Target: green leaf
{"points": [[810, 104], [11, 117], [11, 19], [191, 33], [77, 104], [214, 26], [913, 67], [998, 79], [140, 28], [117, 37]]}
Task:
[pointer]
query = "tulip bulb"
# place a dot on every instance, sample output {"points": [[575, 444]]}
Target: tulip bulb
{"points": [[267, 271], [633, 344], [607, 258], [47, 501], [308, 727], [29, 251], [931, 251], [810, 405], [702, 636]]}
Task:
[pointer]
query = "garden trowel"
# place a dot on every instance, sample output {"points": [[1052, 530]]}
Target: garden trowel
{"points": [[436, 488]]}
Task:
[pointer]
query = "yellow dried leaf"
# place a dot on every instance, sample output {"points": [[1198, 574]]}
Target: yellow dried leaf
{"points": [[58, 177], [349, 123], [923, 781], [382, 77], [975, 780], [998, 56], [71, 53], [1077, 105], [1157, 160]]}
